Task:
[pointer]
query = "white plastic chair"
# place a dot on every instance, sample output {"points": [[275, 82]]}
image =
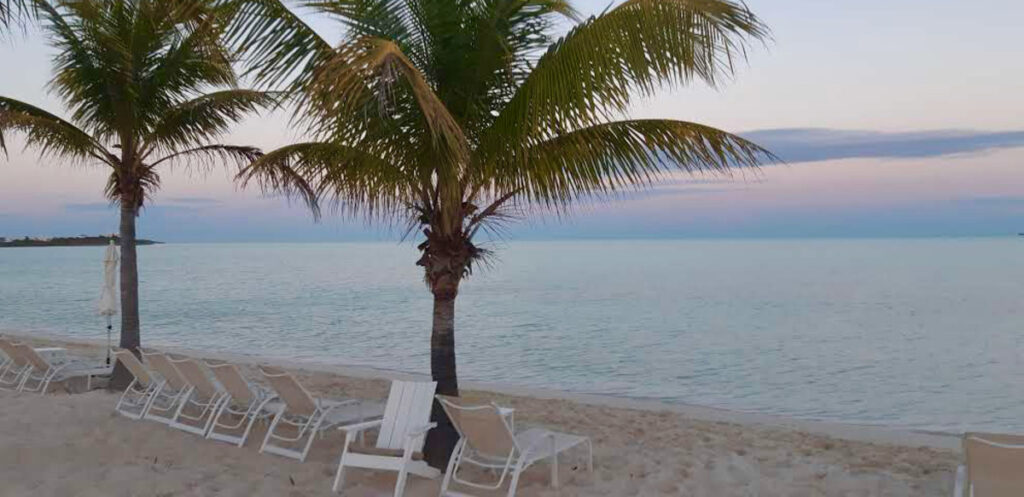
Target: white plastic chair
{"points": [[243, 405], [308, 416], [135, 400], [994, 466], [198, 407], [170, 393], [400, 437], [487, 440]]}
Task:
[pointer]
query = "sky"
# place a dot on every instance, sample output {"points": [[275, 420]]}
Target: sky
{"points": [[894, 118]]}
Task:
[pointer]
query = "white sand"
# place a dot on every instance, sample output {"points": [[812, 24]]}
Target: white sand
{"points": [[69, 445]]}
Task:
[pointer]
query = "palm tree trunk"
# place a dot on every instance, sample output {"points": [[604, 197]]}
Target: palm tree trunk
{"points": [[441, 440], [129, 296]]}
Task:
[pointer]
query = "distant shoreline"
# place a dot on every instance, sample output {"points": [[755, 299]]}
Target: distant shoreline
{"points": [[77, 241]]}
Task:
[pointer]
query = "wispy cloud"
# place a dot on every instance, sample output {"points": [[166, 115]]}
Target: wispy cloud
{"points": [[89, 207], [997, 201], [817, 144], [169, 204], [194, 200]]}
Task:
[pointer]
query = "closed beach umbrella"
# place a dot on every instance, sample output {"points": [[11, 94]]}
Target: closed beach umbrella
{"points": [[108, 299]]}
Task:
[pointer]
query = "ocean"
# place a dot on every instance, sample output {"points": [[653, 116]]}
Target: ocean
{"points": [[911, 333]]}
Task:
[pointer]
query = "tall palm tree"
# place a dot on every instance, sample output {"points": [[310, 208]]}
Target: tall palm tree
{"points": [[131, 74], [454, 115]]}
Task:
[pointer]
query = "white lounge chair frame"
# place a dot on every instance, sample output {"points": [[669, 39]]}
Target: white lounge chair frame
{"points": [[309, 416], [495, 446], [242, 401], [135, 400], [1003, 459], [400, 437], [41, 373], [171, 391], [202, 396]]}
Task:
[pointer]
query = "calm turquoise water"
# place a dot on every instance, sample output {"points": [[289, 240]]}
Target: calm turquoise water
{"points": [[913, 333]]}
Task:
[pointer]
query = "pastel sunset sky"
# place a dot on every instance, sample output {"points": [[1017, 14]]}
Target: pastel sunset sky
{"points": [[895, 118]]}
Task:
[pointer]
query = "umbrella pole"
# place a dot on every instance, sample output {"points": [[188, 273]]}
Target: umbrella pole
{"points": [[109, 328]]}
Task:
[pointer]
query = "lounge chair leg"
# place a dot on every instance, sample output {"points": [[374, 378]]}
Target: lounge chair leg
{"points": [[403, 474], [270, 429], [452, 464], [339, 477], [554, 464], [590, 456], [515, 477]]}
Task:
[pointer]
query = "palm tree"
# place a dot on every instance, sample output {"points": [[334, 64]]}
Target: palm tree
{"points": [[455, 115], [131, 73]]}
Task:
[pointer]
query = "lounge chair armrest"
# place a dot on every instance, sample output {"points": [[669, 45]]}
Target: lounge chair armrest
{"points": [[360, 427], [327, 405], [539, 442], [419, 431], [959, 484]]}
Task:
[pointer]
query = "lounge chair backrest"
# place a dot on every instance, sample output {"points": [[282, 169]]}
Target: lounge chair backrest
{"points": [[408, 408], [232, 381], [32, 357], [9, 349], [994, 464], [134, 366], [483, 427], [196, 377], [162, 365], [296, 398]]}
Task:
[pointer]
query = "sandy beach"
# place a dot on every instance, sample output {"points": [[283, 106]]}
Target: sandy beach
{"points": [[74, 445]]}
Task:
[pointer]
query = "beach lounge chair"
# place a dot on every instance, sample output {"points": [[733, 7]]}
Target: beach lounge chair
{"points": [[400, 438], [170, 393], [243, 404], [42, 373], [136, 398], [994, 466], [198, 407], [307, 416], [486, 440], [15, 367], [5, 360]]}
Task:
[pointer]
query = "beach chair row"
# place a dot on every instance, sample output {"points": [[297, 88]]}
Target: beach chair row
{"points": [[23, 369], [178, 392]]}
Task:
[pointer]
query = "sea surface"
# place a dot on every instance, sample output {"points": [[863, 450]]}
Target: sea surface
{"points": [[914, 333]]}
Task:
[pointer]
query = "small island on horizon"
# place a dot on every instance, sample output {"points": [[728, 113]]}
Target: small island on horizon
{"points": [[69, 241]]}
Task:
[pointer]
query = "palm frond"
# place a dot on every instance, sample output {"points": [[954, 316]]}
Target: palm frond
{"points": [[374, 72], [624, 154], [594, 73], [202, 119], [47, 132], [317, 173], [15, 13], [207, 156], [276, 44]]}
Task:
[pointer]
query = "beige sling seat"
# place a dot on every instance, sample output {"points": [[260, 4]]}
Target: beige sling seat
{"points": [[136, 399], [199, 405], [14, 368], [171, 392], [243, 405], [307, 416], [994, 466], [487, 440]]}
